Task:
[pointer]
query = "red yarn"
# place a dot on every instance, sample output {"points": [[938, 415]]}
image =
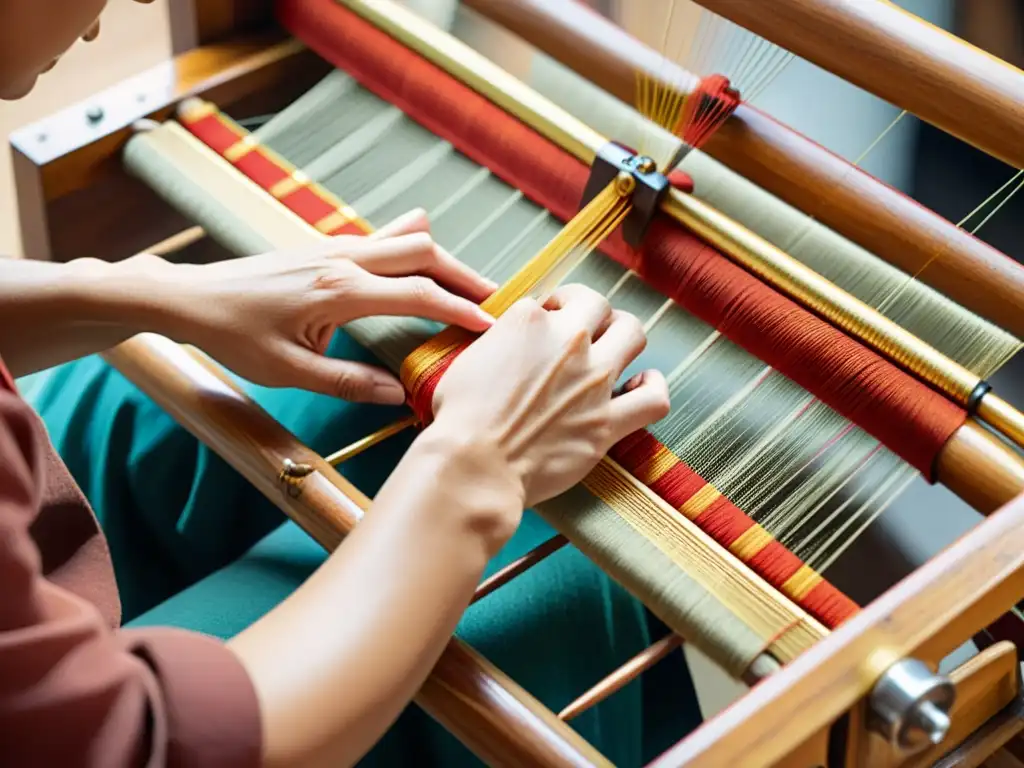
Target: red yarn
{"points": [[706, 109], [725, 523], [911, 419]]}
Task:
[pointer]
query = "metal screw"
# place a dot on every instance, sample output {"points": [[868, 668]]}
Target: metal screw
{"points": [[910, 706], [292, 474], [645, 164], [94, 114], [624, 184]]}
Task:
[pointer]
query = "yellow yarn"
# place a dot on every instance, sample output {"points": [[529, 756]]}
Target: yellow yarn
{"points": [[538, 278]]}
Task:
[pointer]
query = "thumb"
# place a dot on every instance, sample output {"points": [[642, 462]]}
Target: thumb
{"points": [[344, 379]]}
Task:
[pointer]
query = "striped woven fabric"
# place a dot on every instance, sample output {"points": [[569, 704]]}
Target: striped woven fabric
{"points": [[641, 454]]}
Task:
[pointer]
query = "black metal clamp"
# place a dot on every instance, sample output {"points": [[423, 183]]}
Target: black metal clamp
{"points": [[651, 186]]}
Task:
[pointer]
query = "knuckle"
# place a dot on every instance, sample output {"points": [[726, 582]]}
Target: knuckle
{"points": [[636, 331], [601, 439], [348, 385], [341, 280], [528, 308], [423, 242], [663, 405], [422, 290]]}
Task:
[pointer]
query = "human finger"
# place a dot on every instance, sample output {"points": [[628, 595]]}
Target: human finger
{"points": [[643, 401], [409, 222], [584, 306], [620, 343], [417, 296], [416, 253], [345, 379]]}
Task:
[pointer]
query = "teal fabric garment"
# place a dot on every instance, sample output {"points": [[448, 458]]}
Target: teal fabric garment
{"points": [[195, 546]]}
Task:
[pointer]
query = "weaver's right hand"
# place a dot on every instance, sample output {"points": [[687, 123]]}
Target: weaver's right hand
{"points": [[537, 390]]}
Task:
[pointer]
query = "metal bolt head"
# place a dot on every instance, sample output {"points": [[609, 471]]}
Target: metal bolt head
{"points": [[624, 184], [94, 114], [645, 164], [910, 705]]}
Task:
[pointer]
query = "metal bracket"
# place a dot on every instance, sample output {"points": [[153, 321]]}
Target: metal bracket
{"points": [[651, 186]]}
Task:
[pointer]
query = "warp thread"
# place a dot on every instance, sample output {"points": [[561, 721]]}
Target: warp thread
{"points": [[908, 417]]}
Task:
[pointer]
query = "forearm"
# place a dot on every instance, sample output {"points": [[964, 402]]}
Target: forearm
{"points": [[51, 313], [336, 663]]}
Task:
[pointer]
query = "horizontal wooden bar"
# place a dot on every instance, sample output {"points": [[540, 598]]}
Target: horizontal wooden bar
{"points": [[901, 58], [797, 170], [67, 166], [499, 721], [927, 615], [980, 468], [76, 144]]}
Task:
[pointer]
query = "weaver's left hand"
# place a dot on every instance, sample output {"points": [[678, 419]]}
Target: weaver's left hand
{"points": [[270, 318]]}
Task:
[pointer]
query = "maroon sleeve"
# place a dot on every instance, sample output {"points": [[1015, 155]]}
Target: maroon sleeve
{"points": [[74, 692]]}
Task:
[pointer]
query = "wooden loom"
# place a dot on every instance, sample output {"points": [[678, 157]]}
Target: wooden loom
{"points": [[818, 709]]}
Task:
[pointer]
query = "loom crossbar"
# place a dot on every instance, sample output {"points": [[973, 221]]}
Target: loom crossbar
{"points": [[901, 58], [786, 163]]}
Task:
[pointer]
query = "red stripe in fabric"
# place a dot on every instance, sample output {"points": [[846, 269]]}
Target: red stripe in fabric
{"points": [[911, 419], [351, 228], [724, 522], [212, 131], [825, 601], [775, 563], [308, 205], [261, 169]]}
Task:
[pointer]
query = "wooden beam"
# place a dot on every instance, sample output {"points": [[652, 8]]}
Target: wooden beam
{"points": [[78, 149], [927, 615]]}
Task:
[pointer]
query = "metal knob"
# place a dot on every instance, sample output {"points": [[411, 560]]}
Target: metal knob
{"points": [[910, 705]]}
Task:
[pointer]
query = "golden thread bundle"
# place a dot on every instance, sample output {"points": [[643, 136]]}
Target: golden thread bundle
{"points": [[423, 367]]}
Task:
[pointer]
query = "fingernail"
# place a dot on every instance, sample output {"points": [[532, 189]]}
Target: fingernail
{"points": [[388, 393], [491, 284], [485, 318]]}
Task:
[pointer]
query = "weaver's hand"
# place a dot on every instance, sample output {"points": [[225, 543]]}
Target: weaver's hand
{"points": [[537, 389], [270, 318]]}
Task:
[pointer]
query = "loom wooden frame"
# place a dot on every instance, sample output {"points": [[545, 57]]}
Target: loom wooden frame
{"points": [[502, 731], [787, 164]]}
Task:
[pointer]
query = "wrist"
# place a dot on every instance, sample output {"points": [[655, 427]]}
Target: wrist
{"points": [[474, 480], [140, 294]]}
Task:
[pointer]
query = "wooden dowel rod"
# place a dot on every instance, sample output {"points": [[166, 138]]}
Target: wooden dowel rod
{"points": [[901, 58], [622, 676], [1003, 417], [980, 469], [177, 242], [501, 723], [520, 566], [365, 443], [787, 164]]}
